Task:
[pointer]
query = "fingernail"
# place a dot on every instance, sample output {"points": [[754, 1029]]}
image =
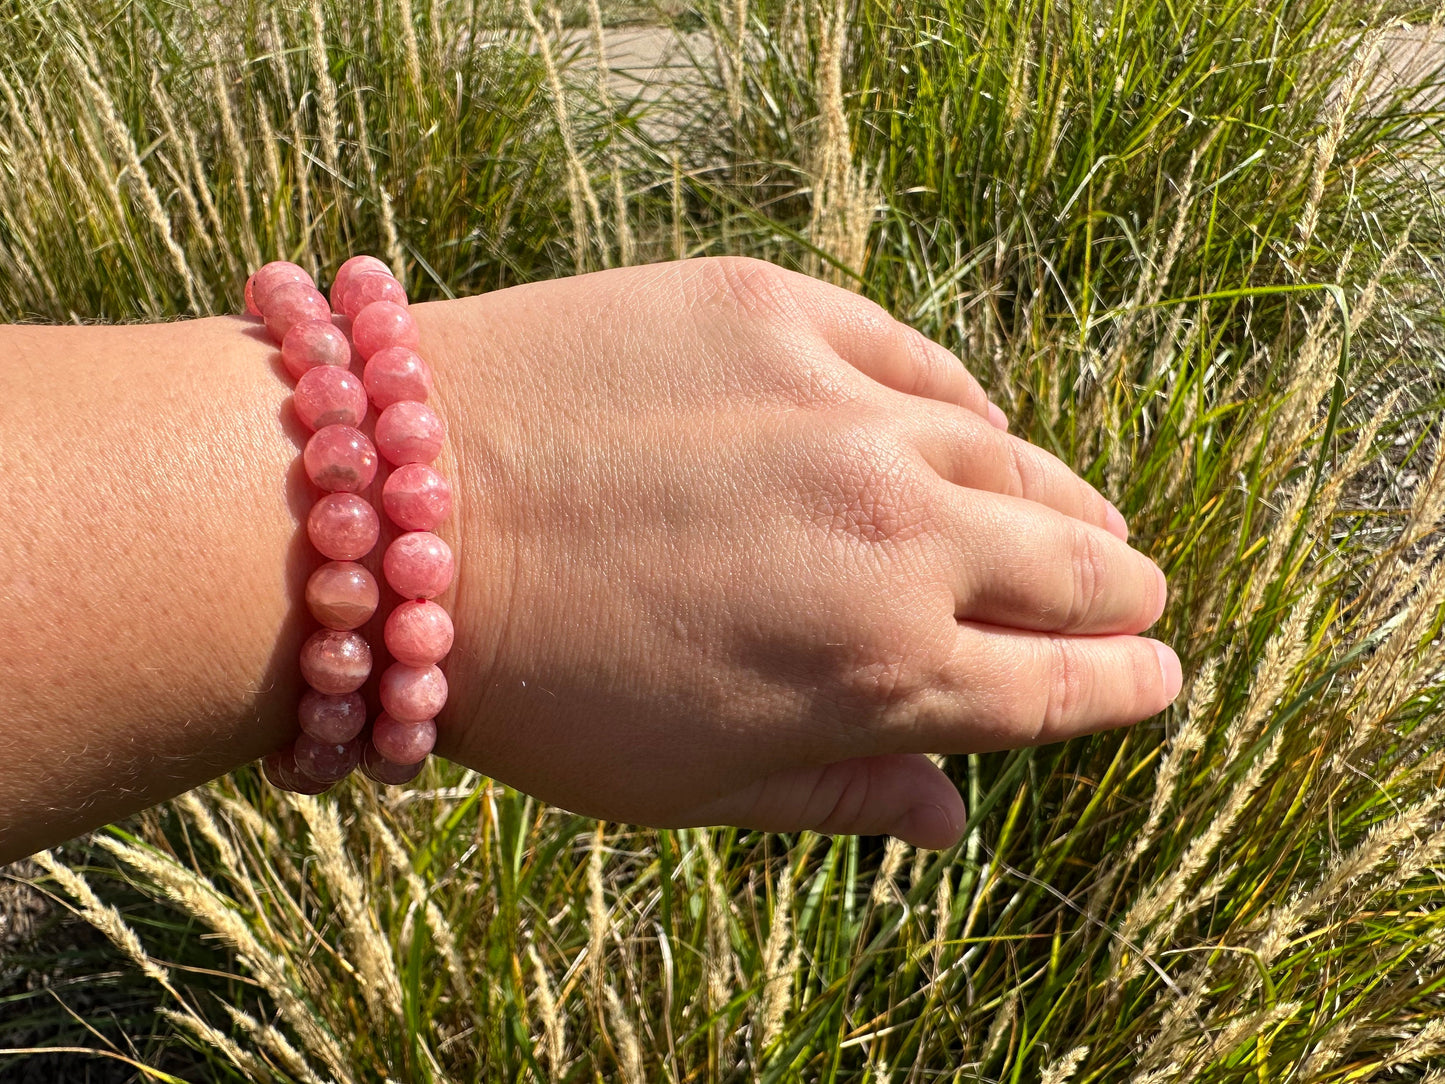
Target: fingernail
{"points": [[926, 826], [1169, 670], [997, 417], [1114, 521]]}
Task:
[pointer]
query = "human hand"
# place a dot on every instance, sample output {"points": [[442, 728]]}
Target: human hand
{"points": [[736, 547]]}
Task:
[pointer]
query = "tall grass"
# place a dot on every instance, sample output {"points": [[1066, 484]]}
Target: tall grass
{"points": [[1194, 248]]}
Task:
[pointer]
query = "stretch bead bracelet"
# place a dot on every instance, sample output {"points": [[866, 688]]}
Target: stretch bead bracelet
{"points": [[342, 461]]}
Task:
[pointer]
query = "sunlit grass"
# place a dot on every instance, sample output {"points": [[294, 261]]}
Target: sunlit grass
{"points": [[1193, 248]]}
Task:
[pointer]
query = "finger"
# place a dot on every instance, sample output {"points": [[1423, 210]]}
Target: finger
{"points": [[1008, 688], [973, 455], [863, 334], [898, 794], [1020, 565]]}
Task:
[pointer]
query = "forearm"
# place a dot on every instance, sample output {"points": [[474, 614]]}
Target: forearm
{"points": [[150, 563]]}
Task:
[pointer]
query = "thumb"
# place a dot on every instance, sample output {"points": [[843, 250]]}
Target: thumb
{"points": [[903, 795]]}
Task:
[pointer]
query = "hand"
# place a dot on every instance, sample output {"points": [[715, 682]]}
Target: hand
{"points": [[736, 547]]}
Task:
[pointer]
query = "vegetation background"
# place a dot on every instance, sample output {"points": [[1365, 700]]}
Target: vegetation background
{"points": [[1192, 246]]}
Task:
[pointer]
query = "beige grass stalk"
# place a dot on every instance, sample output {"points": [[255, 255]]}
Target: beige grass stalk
{"points": [[554, 1026], [380, 986], [1199, 1054], [1182, 1012], [781, 953], [272, 1040], [176, 171], [1428, 1042], [586, 211], [1283, 654], [368, 162], [1062, 1069], [626, 253], [599, 919], [198, 897], [326, 97], [276, 189], [730, 48], [31, 161], [1002, 1025], [443, 936], [629, 1050], [241, 1058], [1361, 72], [240, 162], [885, 890], [413, 52], [307, 255], [718, 959]]}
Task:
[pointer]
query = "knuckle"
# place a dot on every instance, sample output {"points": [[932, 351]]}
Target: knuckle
{"points": [[1090, 566], [1066, 689], [868, 486], [884, 672], [753, 288], [840, 794]]}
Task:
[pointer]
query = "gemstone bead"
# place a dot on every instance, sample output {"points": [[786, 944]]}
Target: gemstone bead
{"points": [[289, 304], [418, 564], [377, 767], [343, 526], [327, 762], [368, 287], [409, 432], [313, 343], [401, 742], [267, 278], [418, 633], [281, 770], [382, 324], [329, 395], [335, 662], [333, 719], [354, 266], [342, 595], [396, 373], [413, 693], [340, 459], [416, 497]]}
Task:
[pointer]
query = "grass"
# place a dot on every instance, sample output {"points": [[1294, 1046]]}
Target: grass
{"points": [[1194, 248]]}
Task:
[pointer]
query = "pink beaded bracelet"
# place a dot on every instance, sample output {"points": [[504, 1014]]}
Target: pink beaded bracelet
{"points": [[342, 462]]}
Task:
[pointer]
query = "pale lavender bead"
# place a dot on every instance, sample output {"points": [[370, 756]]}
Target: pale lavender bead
{"points": [[416, 497], [418, 633], [329, 395], [409, 432], [340, 459], [377, 767], [327, 762], [418, 564], [403, 742], [343, 526], [333, 719], [342, 595], [413, 693], [335, 662], [394, 374]]}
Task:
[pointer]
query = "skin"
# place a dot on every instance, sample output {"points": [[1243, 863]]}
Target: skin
{"points": [[733, 547]]}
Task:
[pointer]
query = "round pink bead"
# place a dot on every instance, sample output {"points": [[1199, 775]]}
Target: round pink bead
{"points": [[416, 497], [327, 762], [418, 564], [368, 287], [289, 304], [409, 432], [281, 771], [267, 278], [313, 343], [343, 526], [354, 266], [394, 374], [329, 395], [339, 458], [342, 595], [418, 633], [413, 693], [335, 662], [382, 324], [333, 719], [401, 742], [377, 767]]}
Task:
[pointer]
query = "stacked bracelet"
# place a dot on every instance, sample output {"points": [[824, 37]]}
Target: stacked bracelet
{"points": [[342, 461]]}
